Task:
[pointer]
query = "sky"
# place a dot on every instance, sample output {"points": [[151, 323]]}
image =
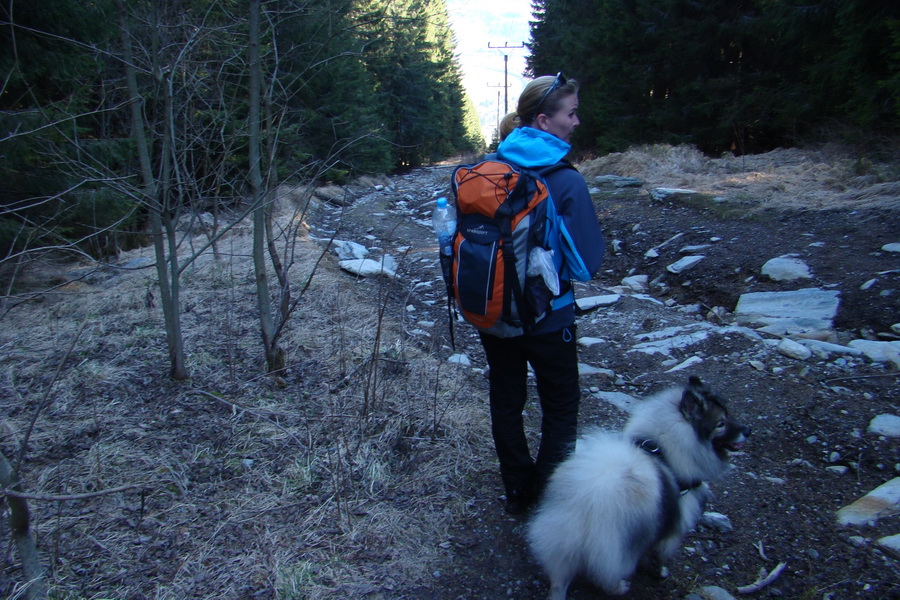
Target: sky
{"points": [[478, 24]]}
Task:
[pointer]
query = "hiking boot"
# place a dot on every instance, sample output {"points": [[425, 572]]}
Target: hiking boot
{"points": [[519, 502]]}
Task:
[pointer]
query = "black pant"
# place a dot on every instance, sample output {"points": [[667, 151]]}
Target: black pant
{"points": [[554, 359]]}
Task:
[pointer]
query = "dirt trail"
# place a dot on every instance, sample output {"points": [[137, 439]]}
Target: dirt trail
{"points": [[357, 475]]}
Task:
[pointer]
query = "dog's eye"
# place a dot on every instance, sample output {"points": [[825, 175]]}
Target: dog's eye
{"points": [[720, 424]]}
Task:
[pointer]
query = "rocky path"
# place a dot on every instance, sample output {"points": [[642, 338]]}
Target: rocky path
{"points": [[792, 316]]}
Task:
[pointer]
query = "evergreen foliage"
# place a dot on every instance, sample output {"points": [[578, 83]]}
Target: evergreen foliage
{"points": [[351, 87], [739, 76]]}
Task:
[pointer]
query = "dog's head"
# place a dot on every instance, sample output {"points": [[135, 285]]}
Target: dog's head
{"points": [[708, 415]]}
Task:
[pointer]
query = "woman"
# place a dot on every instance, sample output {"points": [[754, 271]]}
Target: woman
{"points": [[548, 115]]}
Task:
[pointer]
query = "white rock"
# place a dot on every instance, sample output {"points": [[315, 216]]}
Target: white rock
{"points": [[786, 268], [668, 339], [664, 193], [584, 369], [837, 469], [618, 399], [682, 265], [880, 502], [390, 263], [696, 248], [460, 359], [638, 283], [886, 425], [890, 542], [867, 285], [366, 267], [892, 247], [800, 311], [587, 342], [717, 521], [713, 592], [350, 250], [694, 360], [618, 181], [879, 351], [826, 349], [793, 349], [651, 253], [595, 301]]}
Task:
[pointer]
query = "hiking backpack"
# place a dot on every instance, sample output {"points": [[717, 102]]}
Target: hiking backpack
{"points": [[503, 275]]}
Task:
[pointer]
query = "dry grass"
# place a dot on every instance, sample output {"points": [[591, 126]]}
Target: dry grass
{"points": [[340, 480], [781, 179]]}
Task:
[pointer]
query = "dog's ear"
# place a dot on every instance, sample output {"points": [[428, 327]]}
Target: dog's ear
{"points": [[694, 399], [694, 382]]}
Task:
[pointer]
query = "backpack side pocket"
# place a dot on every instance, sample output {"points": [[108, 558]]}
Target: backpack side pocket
{"points": [[480, 293]]}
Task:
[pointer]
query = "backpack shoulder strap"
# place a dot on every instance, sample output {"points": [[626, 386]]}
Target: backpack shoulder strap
{"points": [[562, 164]]}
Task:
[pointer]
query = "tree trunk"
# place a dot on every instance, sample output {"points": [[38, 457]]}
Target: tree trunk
{"points": [[20, 525], [275, 356], [161, 224]]}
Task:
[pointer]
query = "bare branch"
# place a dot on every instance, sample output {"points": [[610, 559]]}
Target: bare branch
{"points": [[70, 497], [764, 580]]}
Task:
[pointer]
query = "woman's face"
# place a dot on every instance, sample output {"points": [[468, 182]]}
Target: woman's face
{"points": [[564, 121]]}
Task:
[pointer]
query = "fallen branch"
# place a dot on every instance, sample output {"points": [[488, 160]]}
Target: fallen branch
{"points": [[668, 241], [759, 547], [894, 374], [67, 497], [763, 581]]}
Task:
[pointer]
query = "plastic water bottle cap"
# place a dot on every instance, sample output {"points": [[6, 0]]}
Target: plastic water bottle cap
{"points": [[441, 202]]}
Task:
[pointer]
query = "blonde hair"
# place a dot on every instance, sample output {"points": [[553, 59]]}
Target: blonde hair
{"points": [[508, 123], [535, 100]]}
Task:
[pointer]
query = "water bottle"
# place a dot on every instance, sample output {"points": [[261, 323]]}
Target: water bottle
{"points": [[444, 222]]}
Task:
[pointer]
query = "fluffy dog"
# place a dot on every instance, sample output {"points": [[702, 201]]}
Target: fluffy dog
{"points": [[619, 495]]}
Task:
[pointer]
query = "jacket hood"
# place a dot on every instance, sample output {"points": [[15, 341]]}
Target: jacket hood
{"points": [[530, 147]]}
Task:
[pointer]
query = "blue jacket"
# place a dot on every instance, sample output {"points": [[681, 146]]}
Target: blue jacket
{"points": [[579, 239]]}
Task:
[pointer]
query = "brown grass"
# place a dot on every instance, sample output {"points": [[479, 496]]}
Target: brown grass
{"points": [[782, 179], [340, 478]]}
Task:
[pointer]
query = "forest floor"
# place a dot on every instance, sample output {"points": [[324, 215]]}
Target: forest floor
{"points": [[366, 469]]}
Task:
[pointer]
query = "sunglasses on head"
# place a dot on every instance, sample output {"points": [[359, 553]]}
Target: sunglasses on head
{"points": [[557, 83]]}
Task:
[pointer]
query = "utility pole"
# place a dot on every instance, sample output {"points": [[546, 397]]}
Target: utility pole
{"points": [[498, 103], [505, 75]]}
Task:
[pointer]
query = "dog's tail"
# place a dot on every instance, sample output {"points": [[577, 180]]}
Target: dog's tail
{"points": [[598, 514]]}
